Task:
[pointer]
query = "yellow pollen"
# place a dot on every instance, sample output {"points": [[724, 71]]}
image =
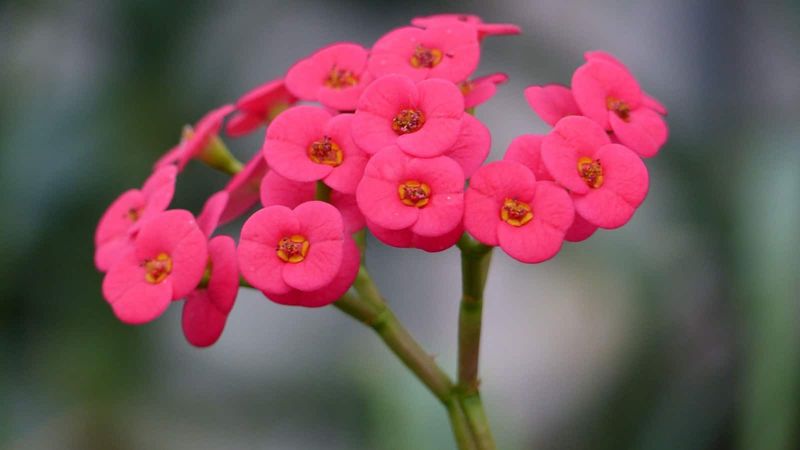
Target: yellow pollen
{"points": [[341, 78], [619, 107], [326, 152], [426, 57], [133, 214], [515, 212], [408, 121], [414, 193], [157, 269], [466, 87], [292, 249], [591, 171]]}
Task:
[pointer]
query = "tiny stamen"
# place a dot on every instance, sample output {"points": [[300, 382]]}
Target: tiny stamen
{"points": [[591, 171], [157, 269], [414, 193], [325, 151], [408, 121], [293, 249], [515, 212], [619, 107], [341, 78]]}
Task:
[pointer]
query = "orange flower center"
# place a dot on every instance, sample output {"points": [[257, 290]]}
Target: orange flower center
{"points": [[414, 193], [426, 57], [133, 214], [466, 87], [591, 171], [292, 249], [619, 107], [157, 269], [326, 152], [341, 78], [515, 212], [408, 121]]}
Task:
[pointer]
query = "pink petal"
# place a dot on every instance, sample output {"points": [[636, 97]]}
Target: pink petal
{"points": [[292, 161], [653, 103], [498, 29], [386, 96], [533, 243], [472, 145], [572, 138], [160, 187], [261, 99], [459, 43], [439, 99], [299, 125], [597, 80], [443, 214], [346, 204], [201, 321], [305, 78], [243, 123], [111, 251], [482, 89], [442, 174], [526, 150], [377, 195], [278, 190], [580, 230], [224, 282], [645, 132], [345, 177], [244, 188], [319, 221], [116, 221], [551, 102], [434, 138], [351, 259], [258, 261], [133, 299], [391, 54], [318, 268], [372, 133], [208, 219]]}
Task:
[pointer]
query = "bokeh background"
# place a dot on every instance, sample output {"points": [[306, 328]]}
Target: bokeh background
{"points": [[679, 331]]}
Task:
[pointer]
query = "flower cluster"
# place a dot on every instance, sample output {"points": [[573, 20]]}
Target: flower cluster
{"points": [[383, 138]]}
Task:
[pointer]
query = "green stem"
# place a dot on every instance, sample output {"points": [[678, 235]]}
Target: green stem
{"points": [[461, 429], [323, 192], [475, 261], [217, 155]]}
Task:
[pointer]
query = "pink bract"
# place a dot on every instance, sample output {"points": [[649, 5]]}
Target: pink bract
{"points": [[408, 239], [196, 139], [449, 50], [351, 259], [209, 216], [277, 190], [320, 232], [607, 181], [484, 29], [526, 150], [551, 102], [472, 145], [306, 143], [334, 76], [647, 100], [117, 228], [258, 107], [433, 189], [479, 90], [206, 308], [166, 263], [422, 119], [607, 93], [580, 230], [244, 189], [506, 206]]}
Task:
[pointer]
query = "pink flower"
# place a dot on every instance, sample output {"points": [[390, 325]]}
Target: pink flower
{"points": [[472, 145], [607, 181], [306, 143], [334, 76], [258, 107], [281, 249], [580, 230], [479, 90], [209, 216], [119, 224], [244, 189], [277, 190], [449, 50], [408, 239], [351, 260], [484, 29], [196, 140], [505, 205], [399, 192], [647, 100], [206, 308], [551, 102], [423, 119], [607, 93], [166, 263], [526, 149]]}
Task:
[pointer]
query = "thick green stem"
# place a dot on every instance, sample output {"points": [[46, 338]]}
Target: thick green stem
{"points": [[475, 261], [461, 429], [217, 155]]}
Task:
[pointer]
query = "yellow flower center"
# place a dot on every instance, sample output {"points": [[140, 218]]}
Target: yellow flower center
{"points": [[133, 214], [292, 249], [515, 212], [426, 57], [326, 152], [414, 193], [591, 171], [341, 78], [408, 121], [619, 107], [157, 269]]}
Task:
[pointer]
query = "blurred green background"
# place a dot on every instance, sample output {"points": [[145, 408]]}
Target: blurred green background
{"points": [[679, 331]]}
